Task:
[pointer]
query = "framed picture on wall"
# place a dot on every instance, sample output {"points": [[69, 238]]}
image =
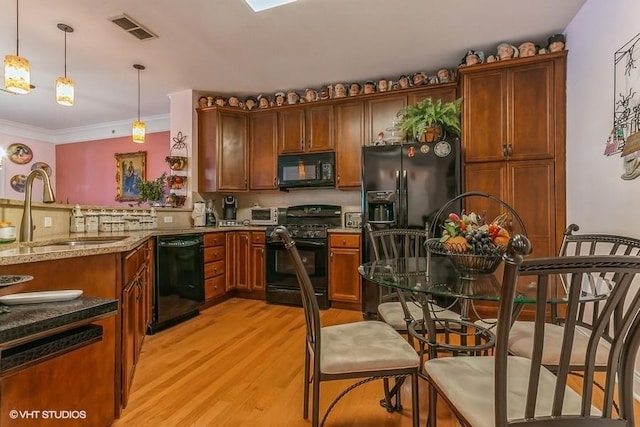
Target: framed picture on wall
{"points": [[131, 168]]}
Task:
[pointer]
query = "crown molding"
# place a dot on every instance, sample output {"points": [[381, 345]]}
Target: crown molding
{"points": [[108, 130]]}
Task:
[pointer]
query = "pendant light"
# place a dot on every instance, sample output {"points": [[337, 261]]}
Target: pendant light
{"points": [[64, 86], [138, 126], [16, 69]]}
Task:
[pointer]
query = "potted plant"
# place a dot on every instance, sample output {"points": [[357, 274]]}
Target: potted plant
{"points": [[152, 192], [427, 120]]}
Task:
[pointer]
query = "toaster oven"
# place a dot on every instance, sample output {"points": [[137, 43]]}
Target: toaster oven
{"points": [[266, 216]]}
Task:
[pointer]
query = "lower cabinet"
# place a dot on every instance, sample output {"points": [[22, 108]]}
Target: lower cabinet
{"points": [[214, 266], [137, 276], [344, 279], [245, 261]]}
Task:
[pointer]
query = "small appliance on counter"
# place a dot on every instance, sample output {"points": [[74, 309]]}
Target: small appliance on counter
{"points": [[352, 219], [199, 214], [267, 216], [229, 208], [211, 213]]}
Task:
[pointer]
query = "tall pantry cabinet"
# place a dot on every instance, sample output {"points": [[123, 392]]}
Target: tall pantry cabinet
{"points": [[513, 136]]}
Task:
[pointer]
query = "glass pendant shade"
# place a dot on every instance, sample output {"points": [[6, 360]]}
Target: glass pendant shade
{"points": [[138, 132], [17, 74], [64, 91]]}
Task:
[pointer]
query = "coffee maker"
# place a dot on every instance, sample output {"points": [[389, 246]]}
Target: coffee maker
{"points": [[229, 208]]}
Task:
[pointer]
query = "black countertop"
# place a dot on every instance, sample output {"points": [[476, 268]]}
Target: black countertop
{"points": [[26, 322]]}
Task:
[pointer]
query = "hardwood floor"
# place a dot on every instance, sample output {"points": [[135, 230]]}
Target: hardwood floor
{"points": [[239, 364]]}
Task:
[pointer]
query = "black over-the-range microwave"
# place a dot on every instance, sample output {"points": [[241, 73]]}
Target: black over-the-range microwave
{"points": [[306, 170]]}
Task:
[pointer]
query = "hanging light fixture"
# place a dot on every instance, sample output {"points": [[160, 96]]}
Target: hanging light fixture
{"points": [[16, 69], [138, 126], [64, 86]]}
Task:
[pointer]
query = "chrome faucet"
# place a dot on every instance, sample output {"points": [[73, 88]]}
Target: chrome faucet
{"points": [[26, 226]]}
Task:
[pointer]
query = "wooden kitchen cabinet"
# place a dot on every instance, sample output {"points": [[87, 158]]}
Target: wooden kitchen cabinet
{"points": [[263, 151], [305, 129], [513, 137], [444, 92], [381, 114], [136, 311], [214, 267], [222, 150], [350, 135], [344, 279], [248, 263]]}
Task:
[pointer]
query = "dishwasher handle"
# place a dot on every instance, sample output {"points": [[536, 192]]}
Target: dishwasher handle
{"points": [[182, 242]]}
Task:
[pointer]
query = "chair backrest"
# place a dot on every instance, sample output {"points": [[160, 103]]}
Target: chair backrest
{"points": [[593, 244], [625, 337], [309, 301], [397, 242]]}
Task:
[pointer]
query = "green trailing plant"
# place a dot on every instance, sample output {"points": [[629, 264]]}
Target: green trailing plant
{"points": [[152, 191], [414, 119]]}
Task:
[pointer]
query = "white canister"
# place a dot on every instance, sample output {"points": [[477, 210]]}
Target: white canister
{"points": [[91, 221], [104, 220], [76, 220], [117, 220]]}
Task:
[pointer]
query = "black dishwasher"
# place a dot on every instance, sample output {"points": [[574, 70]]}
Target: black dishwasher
{"points": [[179, 280]]}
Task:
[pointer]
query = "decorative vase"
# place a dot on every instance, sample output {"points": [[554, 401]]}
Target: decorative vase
{"points": [[431, 134]]}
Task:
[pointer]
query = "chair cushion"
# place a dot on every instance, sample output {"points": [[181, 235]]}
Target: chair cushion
{"points": [[521, 343], [392, 313], [364, 347], [468, 383]]}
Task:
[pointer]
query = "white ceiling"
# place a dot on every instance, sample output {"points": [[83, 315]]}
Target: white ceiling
{"points": [[223, 47]]}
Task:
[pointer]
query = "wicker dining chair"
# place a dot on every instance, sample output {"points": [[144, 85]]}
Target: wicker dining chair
{"points": [[364, 350], [507, 390]]}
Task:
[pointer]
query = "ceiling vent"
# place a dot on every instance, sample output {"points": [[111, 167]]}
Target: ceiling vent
{"points": [[132, 27]]}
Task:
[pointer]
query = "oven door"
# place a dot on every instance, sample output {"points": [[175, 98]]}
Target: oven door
{"points": [[282, 283], [281, 272]]}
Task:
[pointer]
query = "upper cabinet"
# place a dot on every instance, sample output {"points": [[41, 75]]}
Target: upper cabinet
{"points": [[510, 111], [222, 150], [305, 129], [381, 114], [350, 136], [263, 150]]}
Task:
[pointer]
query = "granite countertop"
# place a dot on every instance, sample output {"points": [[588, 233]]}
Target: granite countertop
{"points": [[48, 249], [26, 322]]}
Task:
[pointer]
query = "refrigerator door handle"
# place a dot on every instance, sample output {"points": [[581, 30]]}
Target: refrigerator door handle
{"points": [[397, 204], [405, 196]]}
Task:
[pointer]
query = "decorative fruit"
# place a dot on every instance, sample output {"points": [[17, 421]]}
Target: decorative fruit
{"points": [[502, 238], [456, 244]]}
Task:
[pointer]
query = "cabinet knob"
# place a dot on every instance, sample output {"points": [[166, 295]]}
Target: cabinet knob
{"points": [[302, 145], [504, 150], [310, 144], [344, 243], [275, 181], [338, 177], [510, 150]]}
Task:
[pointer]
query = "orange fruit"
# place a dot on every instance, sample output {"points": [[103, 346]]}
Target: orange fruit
{"points": [[456, 244]]}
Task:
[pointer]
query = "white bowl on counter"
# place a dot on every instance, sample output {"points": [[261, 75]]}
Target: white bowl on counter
{"points": [[8, 234]]}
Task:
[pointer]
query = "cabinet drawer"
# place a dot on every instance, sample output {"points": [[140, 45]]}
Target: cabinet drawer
{"points": [[213, 287], [257, 237], [344, 240], [213, 239], [213, 269], [215, 253]]}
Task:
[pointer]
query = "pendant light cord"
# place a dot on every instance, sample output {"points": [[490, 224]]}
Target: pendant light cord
{"points": [[17, 29], [65, 54], [138, 94]]}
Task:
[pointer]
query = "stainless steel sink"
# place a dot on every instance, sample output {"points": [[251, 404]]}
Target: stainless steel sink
{"points": [[82, 241]]}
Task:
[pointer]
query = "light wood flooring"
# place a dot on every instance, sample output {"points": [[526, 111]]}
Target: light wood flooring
{"points": [[239, 364]]}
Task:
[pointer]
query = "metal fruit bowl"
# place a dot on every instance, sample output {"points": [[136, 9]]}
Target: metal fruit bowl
{"points": [[464, 260], [176, 163]]}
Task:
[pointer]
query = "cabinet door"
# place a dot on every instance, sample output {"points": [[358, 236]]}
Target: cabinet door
{"points": [[484, 128], [207, 150], [349, 139], [319, 128], [291, 131], [232, 165], [243, 247], [141, 312], [381, 114], [344, 279], [230, 260], [445, 94], [263, 151], [531, 122], [129, 295], [257, 273]]}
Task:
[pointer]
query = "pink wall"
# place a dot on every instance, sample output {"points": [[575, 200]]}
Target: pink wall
{"points": [[85, 171]]}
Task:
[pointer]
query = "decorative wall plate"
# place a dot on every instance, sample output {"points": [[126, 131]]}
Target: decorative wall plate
{"points": [[19, 153], [18, 182], [41, 165]]}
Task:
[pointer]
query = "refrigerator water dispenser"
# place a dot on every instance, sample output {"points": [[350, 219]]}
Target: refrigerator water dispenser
{"points": [[381, 207]]}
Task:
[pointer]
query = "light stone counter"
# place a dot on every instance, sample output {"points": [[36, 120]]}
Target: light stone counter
{"points": [[47, 249]]}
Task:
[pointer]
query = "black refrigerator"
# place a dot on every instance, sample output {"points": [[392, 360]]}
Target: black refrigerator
{"points": [[404, 186]]}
